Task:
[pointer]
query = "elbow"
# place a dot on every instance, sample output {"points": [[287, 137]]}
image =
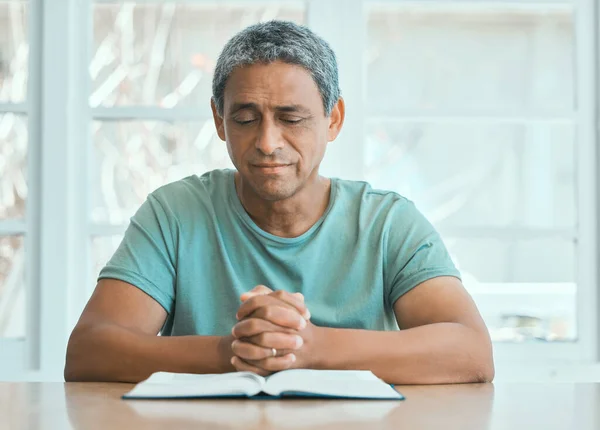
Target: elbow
{"points": [[482, 369], [75, 358], [476, 371], [484, 372], [70, 372], [476, 365]]}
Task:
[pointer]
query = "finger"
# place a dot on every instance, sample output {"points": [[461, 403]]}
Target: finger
{"points": [[274, 364], [281, 316], [249, 351], [253, 326], [241, 366], [256, 291], [284, 297], [293, 299], [262, 345], [277, 340], [262, 290]]}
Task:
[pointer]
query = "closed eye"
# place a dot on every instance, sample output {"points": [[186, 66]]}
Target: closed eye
{"points": [[244, 122], [291, 121]]}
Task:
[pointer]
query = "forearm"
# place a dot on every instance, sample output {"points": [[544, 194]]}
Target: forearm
{"points": [[431, 354], [116, 354]]}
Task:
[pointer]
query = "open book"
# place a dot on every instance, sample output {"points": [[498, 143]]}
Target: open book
{"points": [[342, 384]]}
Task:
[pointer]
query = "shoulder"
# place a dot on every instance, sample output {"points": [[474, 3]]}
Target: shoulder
{"points": [[372, 201], [191, 199], [193, 185], [382, 214], [192, 190]]}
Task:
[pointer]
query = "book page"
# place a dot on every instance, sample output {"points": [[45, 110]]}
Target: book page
{"points": [[174, 385], [337, 383]]}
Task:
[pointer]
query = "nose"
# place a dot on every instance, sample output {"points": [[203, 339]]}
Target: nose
{"points": [[269, 138]]}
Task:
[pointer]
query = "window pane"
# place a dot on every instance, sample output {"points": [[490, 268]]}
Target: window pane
{"points": [[13, 166], [470, 57], [14, 51], [464, 175], [103, 247], [525, 289], [165, 53], [520, 312], [489, 260], [133, 158], [12, 287]]}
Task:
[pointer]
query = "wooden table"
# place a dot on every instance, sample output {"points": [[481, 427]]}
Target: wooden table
{"points": [[500, 406]]}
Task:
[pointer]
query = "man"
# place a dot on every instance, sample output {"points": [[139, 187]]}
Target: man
{"points": [[272, 267]]}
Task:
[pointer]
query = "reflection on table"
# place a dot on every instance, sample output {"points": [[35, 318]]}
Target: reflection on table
{"points": [[83, 406]]}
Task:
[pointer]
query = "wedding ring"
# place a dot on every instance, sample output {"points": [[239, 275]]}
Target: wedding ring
{"points": [[274, 351]]}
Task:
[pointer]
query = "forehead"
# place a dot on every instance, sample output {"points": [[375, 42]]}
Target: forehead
{"points": [[274, 84]]}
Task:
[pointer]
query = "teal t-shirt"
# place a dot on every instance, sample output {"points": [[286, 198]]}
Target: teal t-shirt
{"points": [[194, 249]]}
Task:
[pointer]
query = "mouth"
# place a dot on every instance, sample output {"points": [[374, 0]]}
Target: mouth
{"points": [[270, 169]]}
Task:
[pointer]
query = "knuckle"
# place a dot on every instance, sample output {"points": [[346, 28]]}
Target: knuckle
{"points": [[253, 354], [270, 364], [239, 328], [260, 354], [253, 325], [262, 338], [253, 301], [246, 329], [279, 294], [241, 351], [267, 312]]}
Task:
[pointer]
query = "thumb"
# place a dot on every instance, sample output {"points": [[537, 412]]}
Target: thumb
{"points": [[259, 290]]}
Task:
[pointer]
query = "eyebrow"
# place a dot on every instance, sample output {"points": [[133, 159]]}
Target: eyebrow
{"points": [[287, 108]]}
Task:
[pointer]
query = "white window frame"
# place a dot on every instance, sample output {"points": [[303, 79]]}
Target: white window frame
{"points": [[60, 154]]}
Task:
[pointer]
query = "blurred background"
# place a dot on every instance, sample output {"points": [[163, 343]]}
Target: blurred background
{"points": [[481, 112]]}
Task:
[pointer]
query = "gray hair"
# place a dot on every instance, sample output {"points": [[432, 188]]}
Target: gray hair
{"points": [[279, 41]]}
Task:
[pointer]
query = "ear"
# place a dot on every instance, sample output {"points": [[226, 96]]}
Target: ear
{"points": [[219, 123], [336, 120]]}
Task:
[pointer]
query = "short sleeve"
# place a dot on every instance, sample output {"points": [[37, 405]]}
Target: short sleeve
{"points": [[146, 257], [415, 251]]}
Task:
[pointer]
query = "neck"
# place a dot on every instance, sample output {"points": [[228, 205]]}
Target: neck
{"points": [[291, 217]]}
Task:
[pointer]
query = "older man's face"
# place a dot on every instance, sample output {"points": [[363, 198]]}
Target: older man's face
{"points": [[275, 127]]}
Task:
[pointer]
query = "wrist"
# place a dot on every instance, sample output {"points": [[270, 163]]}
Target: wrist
{"points": [[321, 348], [225, 353]]}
